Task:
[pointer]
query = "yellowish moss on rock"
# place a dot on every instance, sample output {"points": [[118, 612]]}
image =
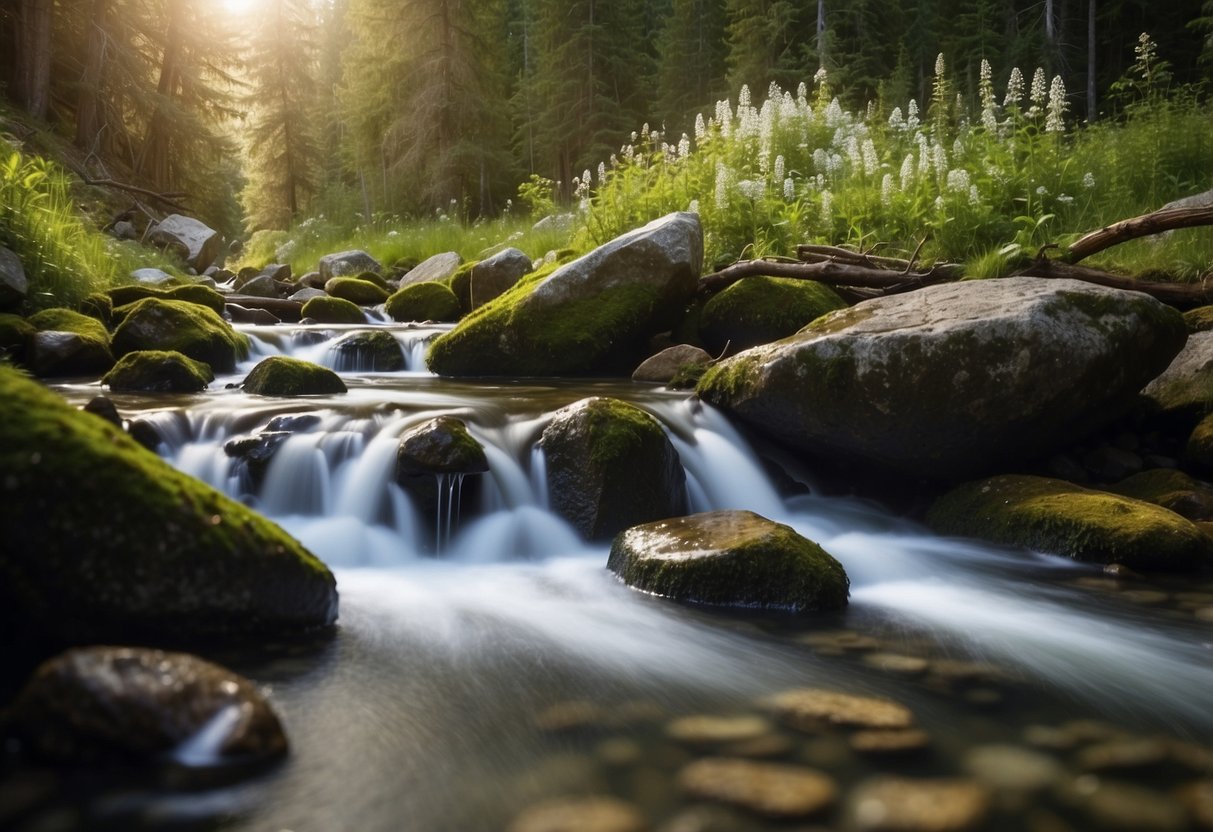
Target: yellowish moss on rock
{"points": [[328, 310], [188, 328], [429, 301]]}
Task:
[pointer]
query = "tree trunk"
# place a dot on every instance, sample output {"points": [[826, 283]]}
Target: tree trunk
{"points": [[33, 60], [1092, 112], [88, 100], [821, 33], [154, 161]]}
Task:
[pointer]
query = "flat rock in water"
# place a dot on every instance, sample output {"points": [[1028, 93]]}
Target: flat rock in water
{"points": [[581, 814], [150, 276], [768, 789], [896, 741], [894, 804], [1013, 768], [953, 379], [810, 708]]}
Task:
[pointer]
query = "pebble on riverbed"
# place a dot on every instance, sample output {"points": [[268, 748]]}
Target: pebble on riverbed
{"points": [[1012, 768], [585, 814], [810, 709], [1123, 807], [768, 789], [894, 804], [902, 741], [711, 730]]}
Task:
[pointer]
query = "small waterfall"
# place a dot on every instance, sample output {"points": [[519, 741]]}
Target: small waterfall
{"points": [[328, 345]]}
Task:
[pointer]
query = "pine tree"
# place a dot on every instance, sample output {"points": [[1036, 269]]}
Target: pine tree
{"points": [[765, 39], [691, 66]]}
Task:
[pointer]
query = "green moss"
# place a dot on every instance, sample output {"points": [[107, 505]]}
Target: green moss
{"points": [[1064, 519], [98, 305], [14, 332], [758, 310], [188, 328], [193, 293], [372, 277], [1199, 320], [440, 446], [429, 301], [618, 428], [68, 320], [279, 375], [1198, 452], [356, 291], [461, 284], [1170, 489], [333, 311], [687, 376], [158, 371], [105, 541]]}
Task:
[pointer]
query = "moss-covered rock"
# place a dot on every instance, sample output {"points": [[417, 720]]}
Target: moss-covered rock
{"points": [[158, 371], [611, 466], [193, 293], [374, 351], [430, 455], [361, 292], [1198, 452], [377, 279], [475, 284], [1199, 319], [759, 310], [1061, 518], [67, 343], [1170, 489], [423, 302], [98, 305], [180, 326], [953, 380], [671, 362], [1185, 387], [328, 310], [592, 315], [730, 558], [15, 332], [105, 541], [280, 375]]}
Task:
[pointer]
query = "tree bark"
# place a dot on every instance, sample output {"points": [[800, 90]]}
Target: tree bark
{"points": [[830, 272], [33, 60], [1092, 47], [1182, 295], [153, 160], [1143, 226], [88, 100]]}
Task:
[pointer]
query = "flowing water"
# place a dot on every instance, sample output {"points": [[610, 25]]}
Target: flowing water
{"points": [[486, 659]]}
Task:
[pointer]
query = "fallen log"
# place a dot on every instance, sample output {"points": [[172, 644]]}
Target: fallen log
{"points": [[1182, 295], [831, 272], [1156, 222]]}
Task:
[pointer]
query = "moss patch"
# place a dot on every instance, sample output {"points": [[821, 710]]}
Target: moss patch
{"points": [[758, 310], [1198, 452], [279, 375], [105, 541], [333, 311], [98, 305], [14, 332], [158, 371], [68, 320], [428, 301], [1064, 519], [1199, 319], [201, 295], [180, 326], [68, 343], [1170, 489], [355, 290]]}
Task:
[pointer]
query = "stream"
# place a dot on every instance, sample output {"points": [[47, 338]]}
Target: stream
{"points": [[485, 659]]}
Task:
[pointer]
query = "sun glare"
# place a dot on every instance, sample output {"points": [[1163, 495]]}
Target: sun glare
{"points": [[238, 7]]}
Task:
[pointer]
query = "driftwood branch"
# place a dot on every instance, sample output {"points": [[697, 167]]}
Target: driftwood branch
{"points": [[1167, 219], [170, 198], [832, 272], [1183, 295]]}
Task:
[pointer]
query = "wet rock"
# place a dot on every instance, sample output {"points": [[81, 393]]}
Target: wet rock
{"points": [[842, 642], [141, 552], [435, 464], [490, 278], [810, 709], [346, 263], [55, 354], [436, 269], [15, 333], [243, 315], [894, 804], [280, 375], [145, 434], [158, 371], [360, 292], [759, 310], [278, 272], [151, 277], [313, 280], [423, 302], [610, 466], [708, 819], [262, 286], [99, 704], [591, 315], [1186, 384], [293, 422], [196, 243], [256, 452], [1110, 464], [713, 730], [179, 326], [574, 715], [1198, 451], [326, 310], [768, 789], [104, 407], [1012, 768], [14, 285], [375, 351], [581, 814], [729, 558], [1170, 489], [1197, 798], [307, 293], [123, 296], [903, 741], [953, 380], [665, 365], [1122, 807], [1065, 519], [897, 664]]}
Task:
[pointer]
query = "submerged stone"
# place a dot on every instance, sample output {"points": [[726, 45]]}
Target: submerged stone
{"points": [[809, 709], [180, 326], [375, 351], [773, 790], [1064, 519], [280, 375], [759, 310], [423, 302], [158, 371], [902, 804], [255, 453], [730, 558], [580, 814]]}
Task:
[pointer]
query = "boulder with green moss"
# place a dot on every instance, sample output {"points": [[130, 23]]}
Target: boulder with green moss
{"points": [[730, 558], [15, 332], [592, 315], [98, 305], [105, 541], [374, 351], [67, 343], [1185, 387], [280, 375], [759, 310], [1170, 489], [476, 284], [361, 292], [436, 269], [956, 379], [1198, 452], [610, 466], [433, 456], [423, 302], [1199, 319], [327, 310], [158, 371], [176, 325], [202, 295], [1061, 518], [376, 278]]}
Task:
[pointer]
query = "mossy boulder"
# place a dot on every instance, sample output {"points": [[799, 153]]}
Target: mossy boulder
{"points": [[1061, 518], [98, 305], [158, 371], [375, 351], [1199, 319], [730, 558], [1185, 387], [611, 466], [106, 542], [1170, 489], [423, 302], [759, 310], [193, 293], [15, 332], [280, 375], [67, 343], [1198, 452], [432, 453], [592, 315], [361, 292], [476, 284], [953, 380], [377, 279], [327, 310], [180, 326], [97, 705]]}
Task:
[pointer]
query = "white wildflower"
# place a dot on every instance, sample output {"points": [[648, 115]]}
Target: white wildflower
{"points": [[871, 162], [886, 190], [1055, 122], [780, 166], [601, 173], [701, 129], [1088, 180], [1039, 93], [724, 183], [907, 171], [827, 207], [802, 94], [912, 115], [819, 77], [789, 189], [940, 66], [974, 196], [1042, 191], [820, 159], [896, 120], [1014, 95], [684, 146], [958, 180], [694, 206], [751, 189], [1065, 199]]}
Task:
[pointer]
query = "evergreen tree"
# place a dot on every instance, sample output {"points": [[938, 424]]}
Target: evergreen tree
{"points": [[691, 65], [765, 39]]}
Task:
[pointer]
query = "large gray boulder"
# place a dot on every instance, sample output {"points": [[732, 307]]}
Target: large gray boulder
{"points": [[345, 263], [1186, 386], [14, 285], [197, 242], [611, 466], [588, 316], [436, 269], [951, 380], [490, 278]]}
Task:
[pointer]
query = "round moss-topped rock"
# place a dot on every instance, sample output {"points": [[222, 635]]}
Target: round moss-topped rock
{"points": [[374, 351], [188, 328], [158, 371], [280, 375], [106, 542], [1061, 518], [360, 292], [440, 446], [759, 310], [193, 293], [328, 310], [15, 331], [423, 302], [1170, 489], [730, 558], [1199, 319], [69, 320], [67, 343], [611, 466], [98, 305]]}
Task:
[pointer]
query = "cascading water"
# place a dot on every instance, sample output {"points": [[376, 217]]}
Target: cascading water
{"points": [[440, 683]]}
